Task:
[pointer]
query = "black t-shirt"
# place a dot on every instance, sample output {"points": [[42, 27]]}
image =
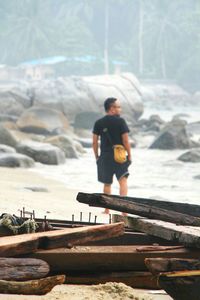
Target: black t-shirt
{"points": [[115, 125]]}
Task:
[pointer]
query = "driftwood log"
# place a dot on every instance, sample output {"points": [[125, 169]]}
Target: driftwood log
{"points": [[20, 269], [134, 279], [28, 243], [31, 287], [184, 208], [160, 265], [106, 258], [181, 285], [143, 210], [186, 235]]}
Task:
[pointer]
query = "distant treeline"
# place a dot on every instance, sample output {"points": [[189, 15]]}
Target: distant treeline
{"points": [[151, 38]]}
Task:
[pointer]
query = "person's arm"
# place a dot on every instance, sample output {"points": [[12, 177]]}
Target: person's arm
{"points": [[126, 144], [95, 145]]}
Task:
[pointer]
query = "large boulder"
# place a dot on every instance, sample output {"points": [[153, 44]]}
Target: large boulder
{"points": [[193, 129], [7, 137], [6, 149], [65, 143], [74, 95], [14, 160], [6, 117], [14, 99], [43, 120], [154, 123], [172, 136], [164, 94], [42, 152], [86, 120], [191, 156]]}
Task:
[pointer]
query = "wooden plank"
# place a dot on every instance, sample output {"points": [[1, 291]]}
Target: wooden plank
{"points": [[132, 238], [151, 212], [19, 269], [31, 287], [105, 258], [16, 245], [181, 285], [28, 243], [157, 248], [142, 280], [186, 235], [160, 265], [184, 208]]}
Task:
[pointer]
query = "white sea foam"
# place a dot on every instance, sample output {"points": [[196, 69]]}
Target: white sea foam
{"points": [[153, 174]]}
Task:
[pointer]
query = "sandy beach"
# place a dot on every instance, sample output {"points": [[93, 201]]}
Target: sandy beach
{"points": [[48, 197]]}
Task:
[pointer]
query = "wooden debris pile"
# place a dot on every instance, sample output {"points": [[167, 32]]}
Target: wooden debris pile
{"points": [[177, 270], [29, 275], [127, 250]]}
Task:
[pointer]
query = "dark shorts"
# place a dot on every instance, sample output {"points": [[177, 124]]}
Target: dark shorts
{"points": [[107, 167]]}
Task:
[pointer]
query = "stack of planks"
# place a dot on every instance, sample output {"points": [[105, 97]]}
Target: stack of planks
{"points": [[29, 275], [177, 225]]}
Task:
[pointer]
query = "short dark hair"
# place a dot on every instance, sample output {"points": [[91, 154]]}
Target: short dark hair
{"points": [[108, 103]]}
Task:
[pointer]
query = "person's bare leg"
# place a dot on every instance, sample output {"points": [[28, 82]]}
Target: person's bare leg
{"points": [[107, 190], [123, 189]]}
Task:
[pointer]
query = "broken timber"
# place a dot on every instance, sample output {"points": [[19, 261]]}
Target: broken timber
{"points": [[31, 287], [184, 208], [28, 243], [186, 235], [19, 269], [106, 258], [151, 212], [134, 279], [181, 285], [160, 265]]}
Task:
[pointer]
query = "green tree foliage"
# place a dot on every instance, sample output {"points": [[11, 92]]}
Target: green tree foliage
{"points": [[153, 39]]}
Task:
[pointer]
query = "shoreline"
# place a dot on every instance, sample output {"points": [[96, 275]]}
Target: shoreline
{"points": [[47, 197]]}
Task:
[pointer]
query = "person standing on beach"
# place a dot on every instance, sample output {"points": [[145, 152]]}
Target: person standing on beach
{"points": [[112, 130]]}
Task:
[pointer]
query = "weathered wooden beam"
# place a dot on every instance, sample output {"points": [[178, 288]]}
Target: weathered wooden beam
{"points": [[105, 258], [186, 235], [181, 285], [78, 236], [157, 248], [160, 265], [131, 238], [31, 287], [151, 212], [184, 208], [19, 269], [134, 279], [28, 243]]}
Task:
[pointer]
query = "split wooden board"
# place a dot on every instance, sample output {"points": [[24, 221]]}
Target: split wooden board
{"points": [[28, 243]]}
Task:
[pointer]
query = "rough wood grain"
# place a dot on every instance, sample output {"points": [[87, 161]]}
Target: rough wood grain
{"points": [[28, 243], [186, 235], [19, 269], [143, 210], [160, 265], [31, 287], [184, 208], [105, 258], [133, 279], [157, 248], [181, 285]]}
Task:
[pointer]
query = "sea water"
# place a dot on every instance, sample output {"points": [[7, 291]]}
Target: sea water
{"points": [[154, 173]]}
